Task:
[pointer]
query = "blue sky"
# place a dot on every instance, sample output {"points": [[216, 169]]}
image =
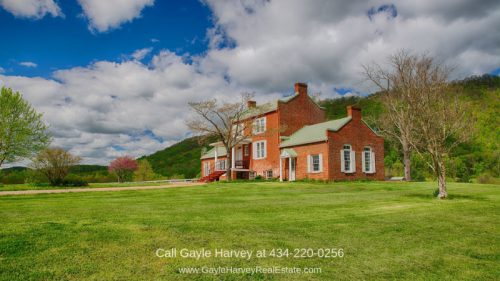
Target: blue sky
{"points": [[64, 42], [114, 77]]}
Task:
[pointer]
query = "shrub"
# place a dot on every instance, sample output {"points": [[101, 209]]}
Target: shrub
{"points": [[487, 179], [436, 192], [74, 183]]}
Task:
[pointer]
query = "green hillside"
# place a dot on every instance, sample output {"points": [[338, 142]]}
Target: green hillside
{"points": [[179, 160]]}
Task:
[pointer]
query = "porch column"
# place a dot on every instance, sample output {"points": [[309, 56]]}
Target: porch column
{"points": [[289, 168], [232, 159], [281, 169], [216, 156]]}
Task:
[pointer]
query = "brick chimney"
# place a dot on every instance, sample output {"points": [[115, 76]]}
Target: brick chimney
{"points": [[251, 104], [301, 88], [354, 112]]}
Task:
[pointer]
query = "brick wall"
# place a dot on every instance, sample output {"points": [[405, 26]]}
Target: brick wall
{"points": [[299, 112], [358, 135], [271, 136], [302, 153]]}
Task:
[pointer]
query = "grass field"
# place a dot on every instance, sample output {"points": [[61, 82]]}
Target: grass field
{"points": [[14, 187], [386, 230]]}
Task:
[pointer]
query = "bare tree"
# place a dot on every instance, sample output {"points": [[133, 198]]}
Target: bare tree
{"points": [[54, 163], [398, 85], [225, 120], [422, 111], [442, 121]]}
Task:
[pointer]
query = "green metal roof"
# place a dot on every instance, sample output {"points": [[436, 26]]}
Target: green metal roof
{"points": [[260, 109], [314, 133], [221, 151]]}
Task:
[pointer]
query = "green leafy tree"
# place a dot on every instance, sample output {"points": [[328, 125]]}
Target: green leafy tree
{"points": [[54, 164], [144, 171], [22, 131]]}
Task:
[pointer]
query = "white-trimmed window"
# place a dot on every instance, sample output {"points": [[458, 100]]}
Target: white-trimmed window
{"points": [[259, 125], [347, 159], [259, 150], [315, 163], [206, 168], [220, 165], [269, 174], [246, 149], [239, 129], [368, 160]]}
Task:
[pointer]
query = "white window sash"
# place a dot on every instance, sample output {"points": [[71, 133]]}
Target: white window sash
{"points": [[259, 150]]}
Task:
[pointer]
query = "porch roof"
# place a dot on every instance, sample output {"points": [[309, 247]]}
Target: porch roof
{"points": [[288, 152], [221, 152], [314, 133]]}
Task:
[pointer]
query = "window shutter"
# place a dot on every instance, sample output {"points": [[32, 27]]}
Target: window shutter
{"points": [[353, 161], [321, 162], [309, 163], [342, 163], [264, 148], [373, 162], [254, 150], [363, 168]]}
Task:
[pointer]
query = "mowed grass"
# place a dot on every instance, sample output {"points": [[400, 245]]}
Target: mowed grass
{"points": [[387, 231], [25, 186]]}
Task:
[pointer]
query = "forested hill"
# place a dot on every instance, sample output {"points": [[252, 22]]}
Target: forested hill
{"points": [[179, 160], [479, 158]]}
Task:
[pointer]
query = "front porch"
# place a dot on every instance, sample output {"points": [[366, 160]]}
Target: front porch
{"points": [[240, 160], [288, 165]]}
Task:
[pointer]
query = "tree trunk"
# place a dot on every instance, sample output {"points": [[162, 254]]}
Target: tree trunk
{"points": [[441, 177], [407, 161], [229, 164]]}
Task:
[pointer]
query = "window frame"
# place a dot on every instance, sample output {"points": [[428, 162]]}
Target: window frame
{"points": [[349, 159], [259, 125], [259, 150], [313, 164], [310, 163], [371, 158]]}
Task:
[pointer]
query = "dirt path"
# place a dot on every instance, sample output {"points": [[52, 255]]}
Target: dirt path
{"points": [[25, 192]]}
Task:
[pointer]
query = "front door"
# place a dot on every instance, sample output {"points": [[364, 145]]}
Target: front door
{"points": [[293, 162]]}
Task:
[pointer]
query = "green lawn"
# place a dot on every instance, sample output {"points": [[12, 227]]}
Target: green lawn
{"points": [[387, 231], [14, 187]]}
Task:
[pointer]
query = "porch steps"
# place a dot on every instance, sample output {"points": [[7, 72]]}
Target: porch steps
{"points": [[212, 177]]}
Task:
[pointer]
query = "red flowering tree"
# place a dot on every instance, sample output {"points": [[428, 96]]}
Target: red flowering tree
{"points": [[123, 168]]}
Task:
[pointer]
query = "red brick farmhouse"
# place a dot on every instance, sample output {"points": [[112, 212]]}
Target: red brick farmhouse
{"points": [[291, 139]]}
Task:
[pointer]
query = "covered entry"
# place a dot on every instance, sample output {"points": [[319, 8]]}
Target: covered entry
{"points": [[289, 167]]}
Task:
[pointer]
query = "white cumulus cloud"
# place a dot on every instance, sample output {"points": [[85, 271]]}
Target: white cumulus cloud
{"points": [[110, 14], [28, 64], [35, 9]]}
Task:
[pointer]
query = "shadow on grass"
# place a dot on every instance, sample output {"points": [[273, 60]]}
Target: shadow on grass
{"points": [[450, 196]]}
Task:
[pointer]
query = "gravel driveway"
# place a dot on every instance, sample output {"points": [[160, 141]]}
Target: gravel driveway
{"points": [[23, 192]]}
